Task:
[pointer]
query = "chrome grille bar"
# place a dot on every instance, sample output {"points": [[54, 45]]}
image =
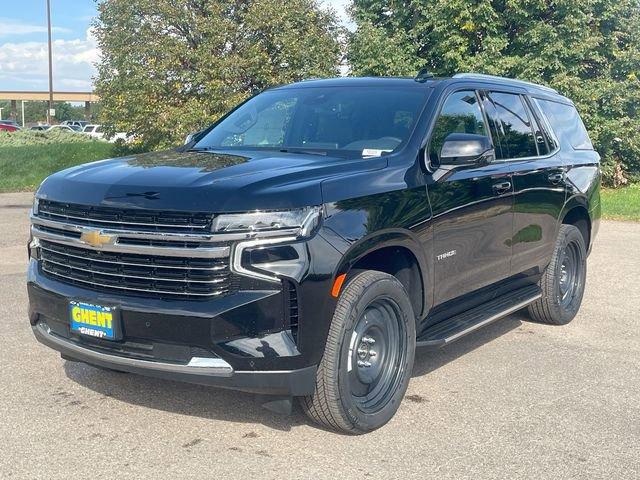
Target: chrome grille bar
{"points": [[117, 247], [161, 236], [152, 278], [155, 291], [164, 236], [215, 268]]}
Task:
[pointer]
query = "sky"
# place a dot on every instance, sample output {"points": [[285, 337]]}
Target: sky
{"points": [[23, 44]]}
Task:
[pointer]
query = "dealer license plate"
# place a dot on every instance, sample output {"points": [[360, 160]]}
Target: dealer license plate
{"points": [[93, 320]]}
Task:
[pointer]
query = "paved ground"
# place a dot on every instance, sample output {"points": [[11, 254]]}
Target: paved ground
{"points": [[517, 400]]}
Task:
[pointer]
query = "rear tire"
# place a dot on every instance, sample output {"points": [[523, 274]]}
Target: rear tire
{"points": [[368, 358], [563, 281]]}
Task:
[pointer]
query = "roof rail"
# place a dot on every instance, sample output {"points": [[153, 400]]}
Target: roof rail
{"points": [[513, 81]]}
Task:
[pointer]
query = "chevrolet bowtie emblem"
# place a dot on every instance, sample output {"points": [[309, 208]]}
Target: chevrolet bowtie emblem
{"points": [[96, 238]]}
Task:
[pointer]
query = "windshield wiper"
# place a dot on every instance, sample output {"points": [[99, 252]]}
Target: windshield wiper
{"points": [[304, 151], [201, 149], [299, 151]]}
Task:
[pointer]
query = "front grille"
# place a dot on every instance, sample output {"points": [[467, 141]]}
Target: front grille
{"points": [[139, 252], [140, 220], [159, 275]]}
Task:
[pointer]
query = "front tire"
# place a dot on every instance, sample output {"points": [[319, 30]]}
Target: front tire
{"points": [[563, 281], [368, 358]]}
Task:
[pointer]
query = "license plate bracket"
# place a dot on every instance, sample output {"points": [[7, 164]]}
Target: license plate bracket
{"points": [[95, 321]]}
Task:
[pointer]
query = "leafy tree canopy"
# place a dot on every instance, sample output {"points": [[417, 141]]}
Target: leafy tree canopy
{"points": [[170, 67], [589, 50]]}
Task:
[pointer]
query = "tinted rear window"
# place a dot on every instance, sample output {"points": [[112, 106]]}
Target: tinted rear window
{"points": [[566, 123], [518, 134]]}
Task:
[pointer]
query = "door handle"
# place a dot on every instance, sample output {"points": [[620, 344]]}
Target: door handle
{"points": [[556, 178], [502, 187]]}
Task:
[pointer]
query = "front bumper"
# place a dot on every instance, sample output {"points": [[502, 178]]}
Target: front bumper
{"points": [[237, 342], [205, 371]]}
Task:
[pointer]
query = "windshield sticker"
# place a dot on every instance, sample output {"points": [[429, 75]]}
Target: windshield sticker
{"points": [[374, 152]]}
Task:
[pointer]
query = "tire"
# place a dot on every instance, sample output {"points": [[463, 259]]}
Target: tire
{"points": [[368, 358], [563, 281]]}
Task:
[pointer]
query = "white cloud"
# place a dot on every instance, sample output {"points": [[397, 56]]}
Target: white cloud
{"points": [[24, 65], [340, 6], [10, 27]]}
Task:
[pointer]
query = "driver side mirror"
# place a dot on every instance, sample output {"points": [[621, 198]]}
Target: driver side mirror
{"points": [[466, 149]]}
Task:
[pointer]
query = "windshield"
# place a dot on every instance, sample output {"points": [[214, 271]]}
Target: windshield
{"points": [[347, 121]]}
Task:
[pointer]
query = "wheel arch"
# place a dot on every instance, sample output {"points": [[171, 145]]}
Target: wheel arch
{"points": [[576, 213], [397, 253]]}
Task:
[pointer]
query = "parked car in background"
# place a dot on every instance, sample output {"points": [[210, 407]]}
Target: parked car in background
{"points": [[97, 131], [40, 128], [75, 123], [13, 123], [5, 127], [94, 131], [71, 128]]}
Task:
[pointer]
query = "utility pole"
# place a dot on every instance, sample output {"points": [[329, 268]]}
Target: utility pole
{"points": [[50, 63], [23, 114]]}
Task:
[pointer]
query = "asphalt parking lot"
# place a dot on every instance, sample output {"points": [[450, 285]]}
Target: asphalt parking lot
{"points": [[516, 400]]}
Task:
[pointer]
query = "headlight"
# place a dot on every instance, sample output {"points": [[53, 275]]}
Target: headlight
{"points": [[36, 202], [274, 250], [299, 222]]}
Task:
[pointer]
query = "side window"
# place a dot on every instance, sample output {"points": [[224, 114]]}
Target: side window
{"points": [[460, 114], [566, 123], [495, 125], [518, 133], [544, 135], [538, 135]]}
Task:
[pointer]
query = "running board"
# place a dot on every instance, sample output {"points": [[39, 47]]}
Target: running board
{"points": [[447, 331]]}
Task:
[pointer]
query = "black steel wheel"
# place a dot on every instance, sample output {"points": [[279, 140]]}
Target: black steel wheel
{"points": [[377, 350], [368, 358], [563, 282]]}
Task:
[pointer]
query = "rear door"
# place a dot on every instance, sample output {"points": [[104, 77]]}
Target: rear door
{"points": [[538, 179], [472, 207]]}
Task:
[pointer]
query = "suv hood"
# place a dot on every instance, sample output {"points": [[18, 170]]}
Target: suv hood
{"points": [[202, 181]]}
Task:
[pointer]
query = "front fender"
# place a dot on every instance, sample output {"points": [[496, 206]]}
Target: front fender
{"points": [[393, 219]]}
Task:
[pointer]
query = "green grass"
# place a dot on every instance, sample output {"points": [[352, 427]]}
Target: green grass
{"points": [[621, 203], [22, 168]]}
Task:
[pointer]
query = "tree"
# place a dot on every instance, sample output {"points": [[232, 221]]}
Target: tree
{"points": [[170, 67], [586, 49]]}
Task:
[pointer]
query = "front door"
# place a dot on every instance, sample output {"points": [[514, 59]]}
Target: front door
{"points": [[472, 207]]}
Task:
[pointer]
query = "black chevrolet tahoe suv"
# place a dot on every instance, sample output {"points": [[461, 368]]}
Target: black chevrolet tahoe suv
{"points": [[307, 243]]}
